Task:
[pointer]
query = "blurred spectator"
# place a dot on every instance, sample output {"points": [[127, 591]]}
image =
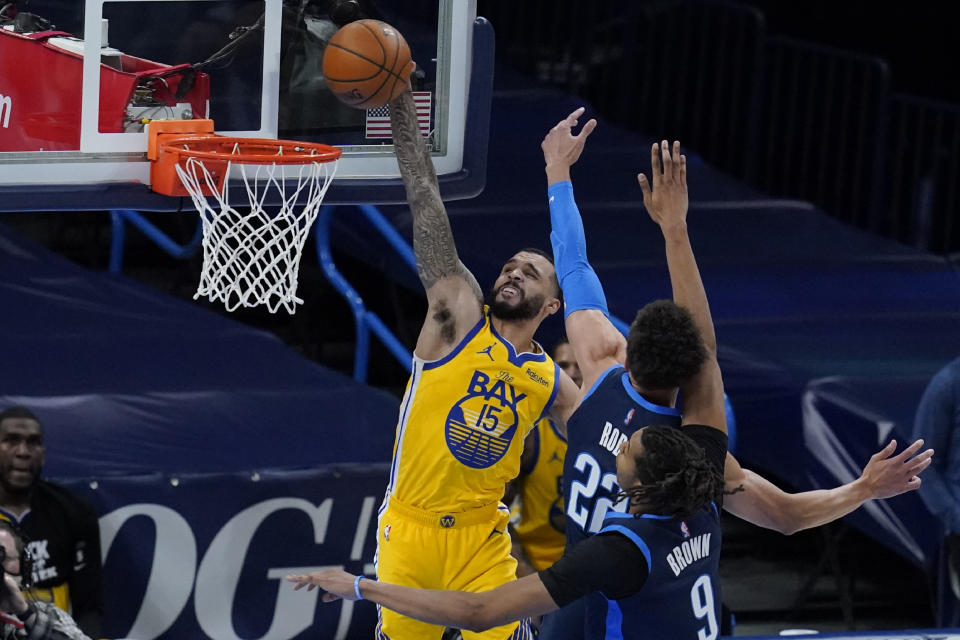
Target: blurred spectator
{"points": [[20, 618], [61, 532], [938, 423], [538, 532]]}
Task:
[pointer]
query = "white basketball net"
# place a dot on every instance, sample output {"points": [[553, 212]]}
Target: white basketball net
{"points": [[252, 258]]}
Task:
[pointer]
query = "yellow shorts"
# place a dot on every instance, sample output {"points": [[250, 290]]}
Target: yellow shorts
{"points": [[467, 551]]}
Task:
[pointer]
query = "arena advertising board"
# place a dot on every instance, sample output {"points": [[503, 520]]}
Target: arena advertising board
{"points": [[205, 556]]}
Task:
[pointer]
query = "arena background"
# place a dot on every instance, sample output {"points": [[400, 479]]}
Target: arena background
{"points": [[222, 451]]}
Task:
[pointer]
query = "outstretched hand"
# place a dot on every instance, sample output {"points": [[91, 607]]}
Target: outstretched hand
{"points": [[336, 583], [887, 476], [667, 200], [560, 147]]}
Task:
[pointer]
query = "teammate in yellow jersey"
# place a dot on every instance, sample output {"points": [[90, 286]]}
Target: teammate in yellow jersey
{"points": [[479, 384], [538, 533]]}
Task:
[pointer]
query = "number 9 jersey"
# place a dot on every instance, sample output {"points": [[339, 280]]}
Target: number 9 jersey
{"points": [[607, 416]]}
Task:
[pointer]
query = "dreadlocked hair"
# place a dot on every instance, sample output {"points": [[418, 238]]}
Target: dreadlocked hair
{"points": [[675, 477]]}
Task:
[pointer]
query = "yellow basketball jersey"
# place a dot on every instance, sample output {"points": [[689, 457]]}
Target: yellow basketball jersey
{"points": [[463, 420], [540, 529]]}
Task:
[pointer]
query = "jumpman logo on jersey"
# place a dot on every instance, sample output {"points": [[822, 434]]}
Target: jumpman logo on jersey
{"points": [[555, 457], [488, 350]]}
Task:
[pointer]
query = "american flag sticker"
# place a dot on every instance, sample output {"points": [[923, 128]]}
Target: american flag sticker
{"points": [[378, 120]]}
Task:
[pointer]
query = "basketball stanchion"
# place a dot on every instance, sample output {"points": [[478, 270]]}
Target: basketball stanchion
{"points": [[251, 255]]}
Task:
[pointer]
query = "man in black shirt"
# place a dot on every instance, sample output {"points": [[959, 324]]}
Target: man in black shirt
{"points": [[61, 531]]}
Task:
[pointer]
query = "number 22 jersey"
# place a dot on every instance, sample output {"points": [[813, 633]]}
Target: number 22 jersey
{"points": [[607, 416]]}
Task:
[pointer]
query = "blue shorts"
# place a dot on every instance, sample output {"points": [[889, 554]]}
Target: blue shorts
{"points": [[566, 623]]}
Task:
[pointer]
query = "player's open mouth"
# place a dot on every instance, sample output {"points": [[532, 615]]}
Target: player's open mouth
{"points": [[509, 291]]}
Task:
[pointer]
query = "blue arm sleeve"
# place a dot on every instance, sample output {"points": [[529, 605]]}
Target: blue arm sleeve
{"points": [[580, 285]]}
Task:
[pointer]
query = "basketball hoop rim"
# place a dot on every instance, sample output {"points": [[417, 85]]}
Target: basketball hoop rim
{"points": [[299, 152]]}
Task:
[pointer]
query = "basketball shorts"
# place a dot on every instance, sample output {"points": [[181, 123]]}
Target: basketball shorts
{"points": [[566, 623], [466, 551]]}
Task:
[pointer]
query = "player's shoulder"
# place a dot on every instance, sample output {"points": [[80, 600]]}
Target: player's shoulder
{"points": [[627, 530], [539, 357], [705, 434], [713, 441], [474, 327], [626, 524], [947, 380], [609, 378]]}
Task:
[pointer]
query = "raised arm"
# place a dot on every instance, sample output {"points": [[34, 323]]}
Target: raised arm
{"points": [[759, 501], [667, 202], [568, 399], [596, 342], [453, 295]]}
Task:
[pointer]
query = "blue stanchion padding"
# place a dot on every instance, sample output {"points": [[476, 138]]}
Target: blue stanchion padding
{"points": [[118, 218]]}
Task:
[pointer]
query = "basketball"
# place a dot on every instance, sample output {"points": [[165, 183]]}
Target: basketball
{"points": [[367, 64]]}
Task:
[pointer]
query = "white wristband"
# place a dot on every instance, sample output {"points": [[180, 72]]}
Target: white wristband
{"points": [[356, 588]]}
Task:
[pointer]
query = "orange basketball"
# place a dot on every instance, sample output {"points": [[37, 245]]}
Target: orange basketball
{"points": [[367, 64]]}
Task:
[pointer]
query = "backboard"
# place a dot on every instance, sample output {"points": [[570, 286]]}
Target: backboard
{"points": [[72, 136]]}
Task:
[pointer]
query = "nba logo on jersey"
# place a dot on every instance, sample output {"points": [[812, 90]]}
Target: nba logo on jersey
{"points": [[684, 529], [629, 417], [447, 521], [386, 533], [481, 425]]}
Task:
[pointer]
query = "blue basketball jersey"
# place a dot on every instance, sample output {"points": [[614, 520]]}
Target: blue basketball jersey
{"points": [[681, 597], [608, 415]]}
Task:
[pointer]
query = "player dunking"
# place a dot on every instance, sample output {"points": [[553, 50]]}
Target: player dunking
{"points": [[656, 565], [479, 384], [651, 572], [633, 382]]}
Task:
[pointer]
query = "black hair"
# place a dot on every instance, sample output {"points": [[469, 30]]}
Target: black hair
{"points": [[664, 346], [676, 479], [539, 252], [558, 293], [19, 412]]}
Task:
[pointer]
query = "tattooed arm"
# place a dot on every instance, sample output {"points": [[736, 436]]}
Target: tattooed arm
{"points": [[455, 301]]}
